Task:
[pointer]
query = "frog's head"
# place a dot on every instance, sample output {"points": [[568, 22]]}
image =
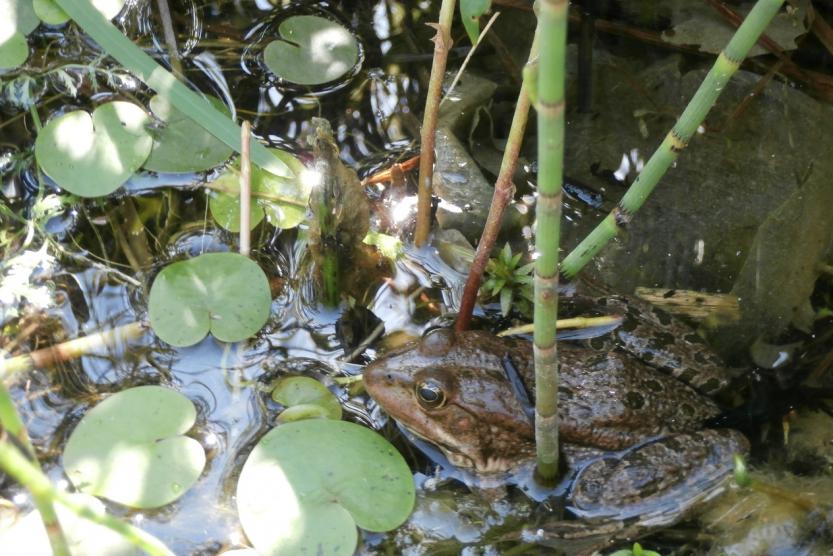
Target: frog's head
{"points": [[452, 390]]}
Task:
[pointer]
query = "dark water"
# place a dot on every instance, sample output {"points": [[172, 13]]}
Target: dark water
{"points": [[759, 169]]}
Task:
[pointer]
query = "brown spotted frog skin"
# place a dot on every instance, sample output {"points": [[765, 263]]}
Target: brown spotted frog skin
{"points": [[641, 428]]}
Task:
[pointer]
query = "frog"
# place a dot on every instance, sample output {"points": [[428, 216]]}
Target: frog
{"points": [[632, 429]]}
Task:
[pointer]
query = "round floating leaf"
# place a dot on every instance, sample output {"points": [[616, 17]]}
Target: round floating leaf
{"points": [[283, 201], [305, 398], [130, 449], [49, 12], [183, 145], [226, 294], [52, 14], [312, 50], [13, 51], [307, 484], [93, 156]]}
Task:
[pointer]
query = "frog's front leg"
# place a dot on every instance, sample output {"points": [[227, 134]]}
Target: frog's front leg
{"points": [[658, 480]]}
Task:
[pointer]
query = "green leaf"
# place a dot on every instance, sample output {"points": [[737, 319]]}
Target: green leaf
{"points": [[312, 50], [183, 145], [13, 51], [129, 448], [390, 246], [94, 156], [506, 296], [308, 484], [283, 201], [470, 12], [305, 398], [224, 293], [49, 12]]}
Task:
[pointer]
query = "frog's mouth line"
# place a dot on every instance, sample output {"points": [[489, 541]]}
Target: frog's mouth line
{"points": [[435, 451]]}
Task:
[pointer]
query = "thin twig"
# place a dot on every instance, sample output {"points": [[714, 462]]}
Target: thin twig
{"points": [[442, 44], [468, 57]]}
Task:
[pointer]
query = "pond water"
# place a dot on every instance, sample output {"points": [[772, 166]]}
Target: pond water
{"points": [[744, 213]]}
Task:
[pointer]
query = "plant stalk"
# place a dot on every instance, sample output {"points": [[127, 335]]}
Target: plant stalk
{"points": [[550, 106], [442, 44], [13, 425], [504, 191], [70, 349], [245, 188], [725, 66]]}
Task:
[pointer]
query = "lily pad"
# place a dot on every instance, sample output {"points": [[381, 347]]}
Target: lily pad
{"points": [[93, 156], [312, 50], [183, 145], [17, 21], [281, 200], [52, 14], [13, 51], [130, 449], [226, 294], [308, 484], [305, 398]]}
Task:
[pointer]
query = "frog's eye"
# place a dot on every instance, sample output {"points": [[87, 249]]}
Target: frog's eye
{"points": [[430, 394]]}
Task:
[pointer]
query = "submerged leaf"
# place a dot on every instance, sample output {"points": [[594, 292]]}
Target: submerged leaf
{"points": [[282, 200], [305, 398], [184, 145]]}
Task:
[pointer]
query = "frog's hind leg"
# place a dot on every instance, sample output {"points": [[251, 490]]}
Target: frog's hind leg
{"points": [[667, 344], [657, 481]]}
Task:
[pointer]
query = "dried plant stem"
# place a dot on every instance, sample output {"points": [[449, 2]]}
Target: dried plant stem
{"points": [[245, 188], [70, 349], [504, 190], [442, 44]]}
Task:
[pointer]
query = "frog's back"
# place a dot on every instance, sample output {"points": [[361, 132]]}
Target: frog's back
{"points": [[609, 400]]}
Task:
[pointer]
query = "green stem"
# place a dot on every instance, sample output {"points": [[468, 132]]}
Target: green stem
{"points": [[442, 44], [13, 425], [550, 106], [678, 138], [20, 469]]}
